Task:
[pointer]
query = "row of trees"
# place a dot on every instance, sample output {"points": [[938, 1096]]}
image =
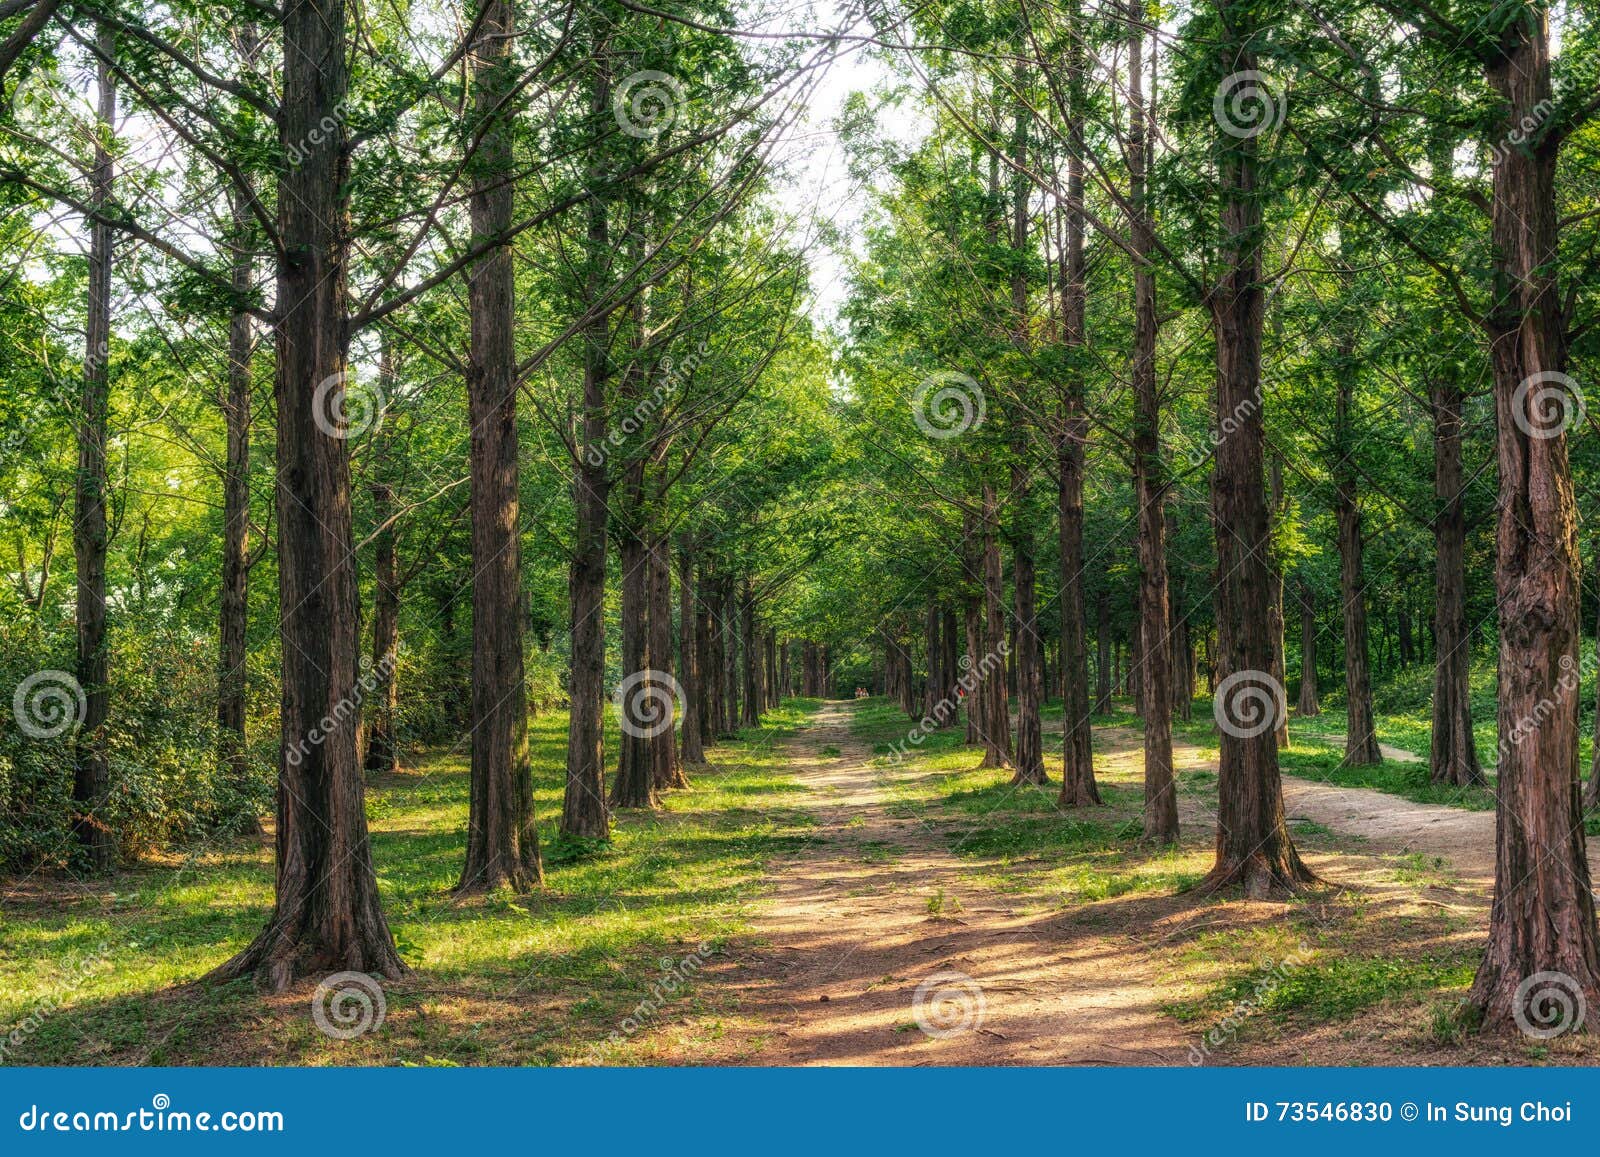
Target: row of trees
{"points": [[1278, 290], [565, 210], [1168, 326]]}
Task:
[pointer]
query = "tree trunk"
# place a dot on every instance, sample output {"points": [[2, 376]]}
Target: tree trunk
{"points": [[382, 752], [951, 664], [707, 660], [1309, 703], [1155, 650], [91, 785], [328, 917], [1543, 916], [1078, 786], [1591, 792], [730, 673], [1275, 616], [1030, 679], [664, 769], [972, 619], [584, 813], [691, 635], [933, 691], [1103, 646], [1254, 850], [1361, 740], [1133, 673], [750, 646], [1182, 650], [233, 617], [1454, 755], [502, 834], [635, 785], [997, 710]]}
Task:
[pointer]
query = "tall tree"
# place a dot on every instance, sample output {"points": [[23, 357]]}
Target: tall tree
{"points": [[1254, 849], [328, 916], [502, 835], [91, 786]]}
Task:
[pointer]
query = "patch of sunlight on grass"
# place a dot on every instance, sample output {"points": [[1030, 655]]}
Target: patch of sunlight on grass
{"points": [[540, 978]]}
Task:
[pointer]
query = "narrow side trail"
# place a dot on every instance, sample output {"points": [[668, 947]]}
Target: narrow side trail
{"points": [[876, 906], [1385, 823]]}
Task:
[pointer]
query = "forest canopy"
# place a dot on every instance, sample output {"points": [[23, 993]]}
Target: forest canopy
{"points": [[579, 389]]}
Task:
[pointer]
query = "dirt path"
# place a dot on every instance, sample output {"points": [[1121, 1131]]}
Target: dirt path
{"points": [[875, 909], [1384, 823]]}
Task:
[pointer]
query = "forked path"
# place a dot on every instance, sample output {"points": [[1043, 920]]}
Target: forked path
{"points": [[876, 907]]}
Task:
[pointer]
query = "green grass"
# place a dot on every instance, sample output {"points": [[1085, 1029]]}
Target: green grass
{"points": [[1017, 839], [1324, 990], [542, 978]]}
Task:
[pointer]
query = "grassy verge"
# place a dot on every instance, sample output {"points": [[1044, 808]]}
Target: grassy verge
{"points": [[1017, 839], [589, 970]]}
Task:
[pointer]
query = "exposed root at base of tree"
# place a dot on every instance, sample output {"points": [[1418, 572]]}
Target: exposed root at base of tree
{"points": [[1260, 878], [276, 959], [1535, 1002]]}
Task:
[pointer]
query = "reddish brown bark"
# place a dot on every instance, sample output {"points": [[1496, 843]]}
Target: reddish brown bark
{"points": [[91, 784], [382, 755], [1309, 703], [690, 635], [972, 620], [1454, 754], [750, 650], [1543, 917], [502, 834], [1361, 739], [584, 812], [664, 768], [1155, 650], [327, 916], [1254, 849], [996, 729], [1275, 614], [635, 785], [233, 614]]}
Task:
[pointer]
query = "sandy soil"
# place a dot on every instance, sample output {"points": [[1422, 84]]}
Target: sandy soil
{"points": [[852, 940]]}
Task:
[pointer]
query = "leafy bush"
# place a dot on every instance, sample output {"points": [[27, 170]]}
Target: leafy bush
{"points": [[166, 786]]}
